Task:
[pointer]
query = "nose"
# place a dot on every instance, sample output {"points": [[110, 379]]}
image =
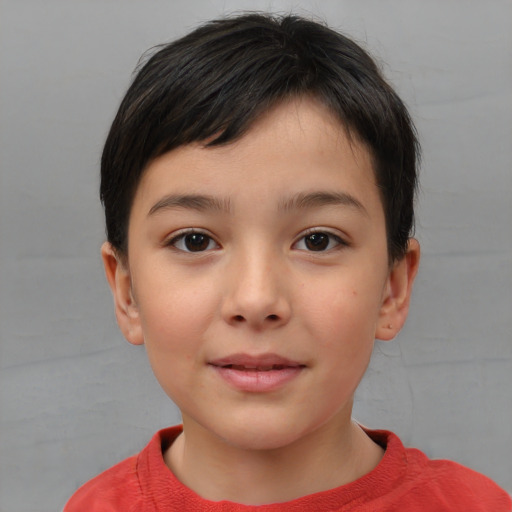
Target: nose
{"points": [[257, 295]]}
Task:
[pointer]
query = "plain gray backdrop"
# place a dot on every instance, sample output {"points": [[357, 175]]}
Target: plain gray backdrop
{"points": [[75, 398]]}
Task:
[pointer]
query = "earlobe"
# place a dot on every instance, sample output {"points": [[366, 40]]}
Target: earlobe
{"points": [[397, 293], [119, 280]]}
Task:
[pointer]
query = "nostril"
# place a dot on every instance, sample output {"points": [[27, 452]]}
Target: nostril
{"points": [[239, 318], [273, 317]]}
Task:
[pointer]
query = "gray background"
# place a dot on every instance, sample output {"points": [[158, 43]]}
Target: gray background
{"points": [[75, 398]]}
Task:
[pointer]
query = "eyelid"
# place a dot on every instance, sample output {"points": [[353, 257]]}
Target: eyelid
{"points": [[333, 234], [176, 236]]}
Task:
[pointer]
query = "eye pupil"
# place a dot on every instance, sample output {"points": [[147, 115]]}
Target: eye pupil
{"points": [[317, 241], [196, 242]]}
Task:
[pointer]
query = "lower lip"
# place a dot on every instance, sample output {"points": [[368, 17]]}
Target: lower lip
{"points": [[258, 381]]}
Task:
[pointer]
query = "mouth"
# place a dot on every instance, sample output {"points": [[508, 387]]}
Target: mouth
{"points": [[257, 374], [247, 368], [263, 363]]}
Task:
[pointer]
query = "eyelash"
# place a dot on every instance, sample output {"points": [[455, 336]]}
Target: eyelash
{"points": [[331, 238], [180, 237]]}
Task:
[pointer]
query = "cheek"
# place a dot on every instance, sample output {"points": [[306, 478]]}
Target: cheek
{"points": [[175, 313], [344, 311], [346, 341], [174, 325]]}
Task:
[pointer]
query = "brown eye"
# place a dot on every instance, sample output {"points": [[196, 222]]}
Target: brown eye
{"points": [[194, 241], [197, 242], [317, 241]]}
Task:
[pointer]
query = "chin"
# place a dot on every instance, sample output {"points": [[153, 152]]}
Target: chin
{"points": [[262, 442], [261, 436]]}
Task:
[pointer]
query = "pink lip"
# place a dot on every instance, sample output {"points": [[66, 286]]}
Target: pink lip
{"points": [[256, 374]]}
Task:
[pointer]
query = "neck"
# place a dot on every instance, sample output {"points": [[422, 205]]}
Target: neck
{"points": [[333, 455]]}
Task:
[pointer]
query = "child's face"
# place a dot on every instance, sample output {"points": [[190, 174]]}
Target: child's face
{"points": [[268, 251]]}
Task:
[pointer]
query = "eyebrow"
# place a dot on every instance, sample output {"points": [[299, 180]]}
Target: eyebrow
{"points": [[191, 202], [321, 198]]}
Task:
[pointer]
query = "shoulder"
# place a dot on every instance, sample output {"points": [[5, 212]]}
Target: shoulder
{"points": [[113, 490], [454, 485], [425, 484], [126, 486]]}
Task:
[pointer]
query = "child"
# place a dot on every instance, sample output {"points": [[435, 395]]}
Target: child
{"points": [[258, 184]]}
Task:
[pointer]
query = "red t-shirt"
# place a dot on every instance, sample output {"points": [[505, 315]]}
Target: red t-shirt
{"points": [[405, 480]]}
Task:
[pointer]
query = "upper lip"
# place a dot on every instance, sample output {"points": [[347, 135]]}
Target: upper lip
{"points": [[263, 361]]}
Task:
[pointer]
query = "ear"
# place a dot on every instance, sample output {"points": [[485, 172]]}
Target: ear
{"points": [[118, 277], [397, 293]]}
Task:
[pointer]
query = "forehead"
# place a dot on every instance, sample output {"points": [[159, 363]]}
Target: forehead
{"points": [[296, 147]]}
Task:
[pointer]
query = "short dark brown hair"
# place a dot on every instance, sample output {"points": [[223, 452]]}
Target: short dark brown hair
{"points": [[216, 81]]}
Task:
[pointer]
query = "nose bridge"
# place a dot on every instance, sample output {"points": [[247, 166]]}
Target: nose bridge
{"points": [[257, 293]]}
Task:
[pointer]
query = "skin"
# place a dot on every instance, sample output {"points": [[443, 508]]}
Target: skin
{"points": [[257, 286]]}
